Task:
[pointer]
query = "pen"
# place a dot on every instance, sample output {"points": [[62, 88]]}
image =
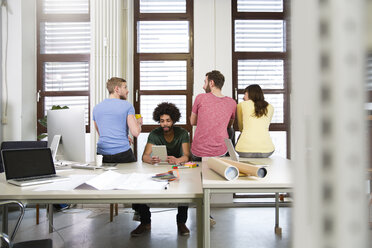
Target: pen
{"points": [[179, 167], [166, 186]]}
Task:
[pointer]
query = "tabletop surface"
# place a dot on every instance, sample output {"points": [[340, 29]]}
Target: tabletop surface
{"points": [[187, 186], [279, 172]]}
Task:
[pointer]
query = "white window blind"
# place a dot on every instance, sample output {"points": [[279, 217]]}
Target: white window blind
{"points": [[277, 100], [260, 5], [163, 6], [64, 37], [163, 36], [66, 7], [66, 76], [259, 36], [163, 75], [69, 101], [279, 139], [369, 73], [268, 74], [150, 102]]}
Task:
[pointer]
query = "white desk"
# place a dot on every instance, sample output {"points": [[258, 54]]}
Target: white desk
{"points": [[278, 179], [186, 190]]}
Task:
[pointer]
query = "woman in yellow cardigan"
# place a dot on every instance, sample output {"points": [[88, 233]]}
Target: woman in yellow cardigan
{"points": [[254, 117]]}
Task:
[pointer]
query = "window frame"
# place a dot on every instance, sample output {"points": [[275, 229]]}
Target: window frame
{"points": [[188, 57], [285, 55], [42, 58]]}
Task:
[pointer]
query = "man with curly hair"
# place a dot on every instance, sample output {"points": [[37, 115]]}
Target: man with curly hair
{"points": [[176, 139]]}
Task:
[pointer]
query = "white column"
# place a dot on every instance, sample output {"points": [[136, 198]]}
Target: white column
{"points": [[107, 50], [328, 123]]}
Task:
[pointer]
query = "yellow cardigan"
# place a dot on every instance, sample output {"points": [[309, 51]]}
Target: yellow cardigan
{"points": [[255, 135]]}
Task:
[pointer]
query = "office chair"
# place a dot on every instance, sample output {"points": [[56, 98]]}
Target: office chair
{"points": [[20, 145], [42, 243]]}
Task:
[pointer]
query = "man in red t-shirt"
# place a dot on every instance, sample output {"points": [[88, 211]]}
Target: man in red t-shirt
{"points": [[212, 113]]}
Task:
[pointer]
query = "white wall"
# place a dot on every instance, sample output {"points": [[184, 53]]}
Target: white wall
{"points": [[212, 42], [369, 25], [21, 71]]}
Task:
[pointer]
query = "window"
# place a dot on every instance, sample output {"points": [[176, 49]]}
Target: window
{"points": [[260, 56], [163, 60], [63, 59], [368, 105]]}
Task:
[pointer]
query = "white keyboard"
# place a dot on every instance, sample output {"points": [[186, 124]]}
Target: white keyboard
{"points": [[85, 166]]}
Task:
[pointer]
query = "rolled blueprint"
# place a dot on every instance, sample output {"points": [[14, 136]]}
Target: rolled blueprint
{"points": [[250, 170], [228, 171]]}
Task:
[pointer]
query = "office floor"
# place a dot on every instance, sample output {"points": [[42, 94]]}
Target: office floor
{"points": [[90, 228]]}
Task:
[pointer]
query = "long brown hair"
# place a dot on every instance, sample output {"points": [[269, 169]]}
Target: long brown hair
{"points": [[256, 95]]}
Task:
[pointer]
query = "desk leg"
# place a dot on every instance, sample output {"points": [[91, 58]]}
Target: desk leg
{"points": [[278, 229], [4, 228], [50, 217], [207, 213], [4, 225], [199, 222]]}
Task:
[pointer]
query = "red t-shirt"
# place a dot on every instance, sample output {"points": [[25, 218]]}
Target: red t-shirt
{"points": [[214, 114]]}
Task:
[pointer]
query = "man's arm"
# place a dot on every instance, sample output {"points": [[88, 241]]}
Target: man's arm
{"points": [[146, 157], [193, 119], [231, 122], [134, 125], [95, 125], [182, 159]]}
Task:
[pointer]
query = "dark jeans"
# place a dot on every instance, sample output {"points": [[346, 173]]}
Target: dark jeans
{"points": [[199, 159], [145, 214], [195, 158], [122, 157]]}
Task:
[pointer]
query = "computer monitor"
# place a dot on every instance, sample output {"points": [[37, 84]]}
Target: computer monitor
{"points": [[70, 124]]}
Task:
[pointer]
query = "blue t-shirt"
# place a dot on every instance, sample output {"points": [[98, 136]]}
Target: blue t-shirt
{"points": [[111, 118]]}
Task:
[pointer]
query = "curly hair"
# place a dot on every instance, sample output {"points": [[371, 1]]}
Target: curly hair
{"points": [[166, 108]]}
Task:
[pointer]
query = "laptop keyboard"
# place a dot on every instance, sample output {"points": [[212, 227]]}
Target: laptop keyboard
{"points": [[35, 178]]}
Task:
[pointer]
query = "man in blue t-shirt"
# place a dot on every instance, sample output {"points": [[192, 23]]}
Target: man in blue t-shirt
{"points": [[176, 139], [112, 117]]}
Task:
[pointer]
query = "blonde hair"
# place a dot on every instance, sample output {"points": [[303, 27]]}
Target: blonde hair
{"points": [[113, 82]]}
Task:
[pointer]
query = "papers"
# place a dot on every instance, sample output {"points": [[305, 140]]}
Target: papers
{"points": [[106, 181], [75, 180], [134, 181]]}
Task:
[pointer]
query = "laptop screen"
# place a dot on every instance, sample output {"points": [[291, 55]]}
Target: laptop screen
{"points": [[23, 163]]}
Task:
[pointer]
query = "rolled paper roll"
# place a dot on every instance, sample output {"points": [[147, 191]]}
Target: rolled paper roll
{"points": [[250, 170], [228, 171]]}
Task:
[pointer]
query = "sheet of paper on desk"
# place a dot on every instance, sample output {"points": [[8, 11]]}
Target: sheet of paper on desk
{"points": [[107, 180], [75, 180], [133, 181], [138, 181]]}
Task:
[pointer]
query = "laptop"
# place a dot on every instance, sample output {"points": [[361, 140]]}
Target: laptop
{"points": [[26, 167], [235, 156]]}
